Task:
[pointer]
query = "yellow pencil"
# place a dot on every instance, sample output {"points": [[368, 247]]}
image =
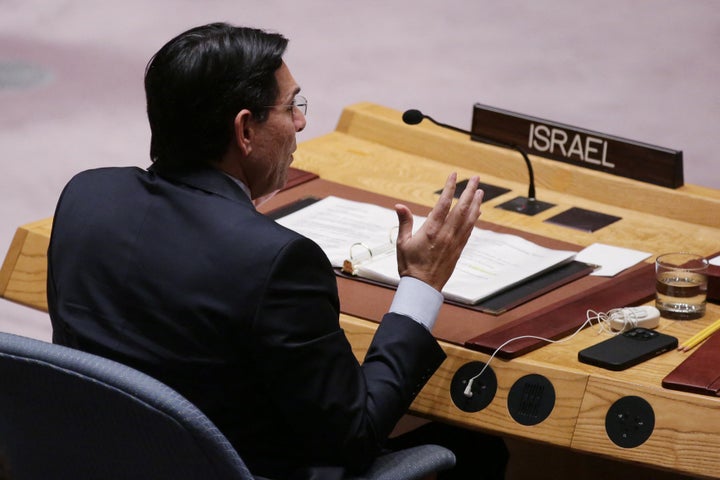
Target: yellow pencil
{"points": [[703, 333], [700, 336]]}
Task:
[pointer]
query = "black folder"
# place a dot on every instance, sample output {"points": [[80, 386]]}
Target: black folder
{"points": [[496, 304]]}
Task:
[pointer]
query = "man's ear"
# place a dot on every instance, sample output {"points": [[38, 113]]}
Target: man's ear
{"points": [[244, 131]]}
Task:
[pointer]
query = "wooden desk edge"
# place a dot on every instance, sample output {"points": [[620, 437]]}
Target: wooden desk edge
{"points": [[435, 402], [675, 429]]}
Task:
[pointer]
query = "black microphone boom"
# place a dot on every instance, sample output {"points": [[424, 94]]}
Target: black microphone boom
{"points": [[529, 206]]}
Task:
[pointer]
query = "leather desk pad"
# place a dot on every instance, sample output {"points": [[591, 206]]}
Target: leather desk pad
{"points": [[551, 315]]}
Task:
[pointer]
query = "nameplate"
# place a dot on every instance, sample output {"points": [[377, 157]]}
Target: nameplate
{"points": [[584, 148]]}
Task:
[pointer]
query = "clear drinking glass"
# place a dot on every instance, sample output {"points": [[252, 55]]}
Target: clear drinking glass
{"points": [[681, 285]]}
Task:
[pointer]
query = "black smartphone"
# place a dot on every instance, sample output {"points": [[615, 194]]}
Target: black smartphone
{"points": [[627, 349]]}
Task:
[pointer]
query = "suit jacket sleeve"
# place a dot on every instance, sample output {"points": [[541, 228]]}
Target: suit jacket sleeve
{"points": [[347, 410]]}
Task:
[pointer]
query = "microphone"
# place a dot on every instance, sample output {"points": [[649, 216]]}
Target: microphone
{"points": [[530, 205]]}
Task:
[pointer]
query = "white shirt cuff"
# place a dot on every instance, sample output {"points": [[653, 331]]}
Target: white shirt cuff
{"points": [[417, 300]]}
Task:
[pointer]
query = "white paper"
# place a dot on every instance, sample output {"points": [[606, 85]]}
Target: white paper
{"points": [[489, 263], [715, 261], [337, 224], [612, 260], [493, 261]]}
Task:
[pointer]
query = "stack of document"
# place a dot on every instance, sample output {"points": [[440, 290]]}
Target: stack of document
{"points": [[362, 235]]}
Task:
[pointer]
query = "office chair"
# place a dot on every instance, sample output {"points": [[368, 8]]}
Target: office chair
{"points": [[70, 414]]}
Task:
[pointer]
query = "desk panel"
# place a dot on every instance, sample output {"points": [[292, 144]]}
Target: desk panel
{"points": [[373, 150], [685, 436], [435, 402]]}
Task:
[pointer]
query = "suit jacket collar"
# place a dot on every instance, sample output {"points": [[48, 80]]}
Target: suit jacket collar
{"points": [[207, 179]]}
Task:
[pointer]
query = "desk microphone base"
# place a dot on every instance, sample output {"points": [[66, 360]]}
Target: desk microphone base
{"points": [[525, 206]]}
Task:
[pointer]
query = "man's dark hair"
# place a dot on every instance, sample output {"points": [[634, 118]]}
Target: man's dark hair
{"points": [[197, 83]]}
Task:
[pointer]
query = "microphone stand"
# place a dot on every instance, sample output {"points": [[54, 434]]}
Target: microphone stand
{"points": [[529, 205]]}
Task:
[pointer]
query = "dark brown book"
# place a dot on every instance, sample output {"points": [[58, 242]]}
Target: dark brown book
{"points": [[700, 372], [713, 288]]}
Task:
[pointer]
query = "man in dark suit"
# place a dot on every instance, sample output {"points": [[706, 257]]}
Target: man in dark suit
{"points": [[171, 270]]}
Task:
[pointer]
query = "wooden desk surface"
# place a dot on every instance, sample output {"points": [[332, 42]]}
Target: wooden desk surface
{"points": [[373, 150]]}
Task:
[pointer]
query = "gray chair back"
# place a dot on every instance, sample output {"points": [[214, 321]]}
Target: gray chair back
{"points": [[70, 414], [67, 414]]}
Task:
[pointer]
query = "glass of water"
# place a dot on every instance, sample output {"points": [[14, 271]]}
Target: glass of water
{"points": [[681, 285]]}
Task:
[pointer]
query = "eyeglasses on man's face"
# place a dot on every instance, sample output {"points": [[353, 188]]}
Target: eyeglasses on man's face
{"points": [[298, 102]]}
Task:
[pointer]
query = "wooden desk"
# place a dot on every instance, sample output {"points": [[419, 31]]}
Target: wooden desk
{"points": [[373, 150]]}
